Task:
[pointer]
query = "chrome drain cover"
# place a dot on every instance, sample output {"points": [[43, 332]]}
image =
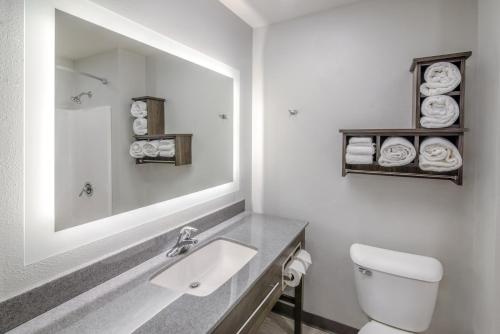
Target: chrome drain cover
{"points": [[194, 285]]}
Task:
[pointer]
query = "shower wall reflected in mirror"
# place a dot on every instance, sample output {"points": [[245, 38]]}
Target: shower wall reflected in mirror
{"points": [[98, 72]]}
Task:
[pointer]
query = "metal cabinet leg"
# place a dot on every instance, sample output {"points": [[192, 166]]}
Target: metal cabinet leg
{"points": [[297, 312]]}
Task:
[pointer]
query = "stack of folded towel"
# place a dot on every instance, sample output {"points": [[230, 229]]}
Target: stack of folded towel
{"points": [[155, 148], [439, 111], [439, 155], [396, 151], [360, 151], [440, 78], [139, 110]]}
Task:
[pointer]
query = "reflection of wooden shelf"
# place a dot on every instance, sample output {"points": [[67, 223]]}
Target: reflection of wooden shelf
{"points": [[182, 149], [156, 113], [415, 136]]}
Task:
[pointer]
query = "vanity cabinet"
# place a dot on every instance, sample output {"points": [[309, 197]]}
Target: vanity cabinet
{"points": [[250, 312]]}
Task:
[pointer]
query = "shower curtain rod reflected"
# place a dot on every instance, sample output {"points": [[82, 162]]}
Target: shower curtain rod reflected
{"points": [[104, 81]]}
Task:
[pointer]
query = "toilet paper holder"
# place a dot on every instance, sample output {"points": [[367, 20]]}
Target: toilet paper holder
{"points": [[286, 262]]}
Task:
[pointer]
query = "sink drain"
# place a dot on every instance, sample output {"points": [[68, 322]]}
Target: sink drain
{"points": [[194, 285]]}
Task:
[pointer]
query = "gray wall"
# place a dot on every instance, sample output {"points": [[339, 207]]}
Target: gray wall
{"points": [[205, 25], [486, 196], [348, 68]]}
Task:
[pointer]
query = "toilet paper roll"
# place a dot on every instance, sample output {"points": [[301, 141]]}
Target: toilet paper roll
{"points": [[304, 256], [294, 272]]}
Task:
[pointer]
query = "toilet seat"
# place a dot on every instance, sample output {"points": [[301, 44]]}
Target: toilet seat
{"points": [[374, 327]]}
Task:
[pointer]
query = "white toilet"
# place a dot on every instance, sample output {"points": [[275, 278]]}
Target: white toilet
{"points": [[396, 290]]}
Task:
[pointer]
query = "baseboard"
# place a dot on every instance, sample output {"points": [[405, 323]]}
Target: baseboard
{"points": [[314, 320]]}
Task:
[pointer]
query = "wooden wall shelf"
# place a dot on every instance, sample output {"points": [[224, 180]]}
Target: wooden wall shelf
{"points": [[156, 113], [182, 149], [415, 136], [418, 67], [454, 133]]}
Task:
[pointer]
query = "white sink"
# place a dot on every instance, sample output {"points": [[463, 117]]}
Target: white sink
{"points": [[206, 269]]}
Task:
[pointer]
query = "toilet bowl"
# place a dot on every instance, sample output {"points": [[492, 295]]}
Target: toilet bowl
{"points": [[396, 290]]}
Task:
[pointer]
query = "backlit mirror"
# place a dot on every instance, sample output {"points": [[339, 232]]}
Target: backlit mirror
{"points": [[134, 125]]}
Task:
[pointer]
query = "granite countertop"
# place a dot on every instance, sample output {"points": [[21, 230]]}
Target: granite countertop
{"points": [[129, 303]]}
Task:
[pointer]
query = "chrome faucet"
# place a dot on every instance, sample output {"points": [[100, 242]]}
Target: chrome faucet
{"points": [[184, 241]]}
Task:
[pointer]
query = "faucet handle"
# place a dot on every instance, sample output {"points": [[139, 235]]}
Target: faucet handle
{"points": [[187, 231]]}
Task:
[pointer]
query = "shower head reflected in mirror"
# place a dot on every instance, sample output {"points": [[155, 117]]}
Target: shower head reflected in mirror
{"points": [[78, 98]]}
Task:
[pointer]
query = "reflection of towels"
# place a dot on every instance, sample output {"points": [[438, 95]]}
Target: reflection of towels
{"points": [[355, 159], [139, 109], [439, 111], [396, 151], [151, 148], [140, 126], [167, 144], [440, 78], [167, 154], [439, 155], [137, 149]]}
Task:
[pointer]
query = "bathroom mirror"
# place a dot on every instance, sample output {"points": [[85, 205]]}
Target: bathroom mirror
{"points": [[160, 196], [98, 73]]}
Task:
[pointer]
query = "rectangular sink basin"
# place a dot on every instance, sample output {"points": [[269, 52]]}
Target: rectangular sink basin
{"points": [[206, 269]]}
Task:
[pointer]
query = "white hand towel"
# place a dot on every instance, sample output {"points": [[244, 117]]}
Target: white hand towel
{"points": [[361, 140], [396, 151], [137, 149], [151, 148], [439, 111], [358, 159], [140, 126], [139, 109], [360, 149], [167, 154], [439, 155], [440, 78], [166, 144]]}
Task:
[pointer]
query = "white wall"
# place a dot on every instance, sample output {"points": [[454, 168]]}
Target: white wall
{"points": [[204, 25], [348, 68], [487, 186]]}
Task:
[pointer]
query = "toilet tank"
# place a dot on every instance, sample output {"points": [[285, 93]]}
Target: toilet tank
{"points": [[394, 288]]}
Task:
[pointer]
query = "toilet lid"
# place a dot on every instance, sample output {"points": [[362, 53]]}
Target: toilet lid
{"points": [[374, 327]]}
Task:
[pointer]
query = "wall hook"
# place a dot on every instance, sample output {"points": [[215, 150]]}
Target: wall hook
{"points": [[293, 112], [223, 116]]}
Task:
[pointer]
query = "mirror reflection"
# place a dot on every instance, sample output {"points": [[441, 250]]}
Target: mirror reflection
{"points": [[134, 125]]}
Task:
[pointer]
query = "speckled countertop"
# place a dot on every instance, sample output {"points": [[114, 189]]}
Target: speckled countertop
{"points": [[129, 303]]}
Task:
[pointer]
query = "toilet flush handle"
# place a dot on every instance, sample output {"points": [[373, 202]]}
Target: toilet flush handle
{"points": [[364, 271]]}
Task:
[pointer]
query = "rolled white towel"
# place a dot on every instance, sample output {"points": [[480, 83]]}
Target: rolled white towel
{"points": [[139, 109], [140, 126], [361, 140], [360, 149], [166, 144], [440, 78], [167, 154], [151, 148], [137, 149], [358, 159], [439, 111], [396, 151], [439, 155]]}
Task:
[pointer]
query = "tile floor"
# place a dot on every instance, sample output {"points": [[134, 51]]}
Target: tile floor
{"points": [[276, 324]]}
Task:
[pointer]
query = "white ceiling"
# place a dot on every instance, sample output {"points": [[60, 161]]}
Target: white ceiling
{"points": [[258, 13]]}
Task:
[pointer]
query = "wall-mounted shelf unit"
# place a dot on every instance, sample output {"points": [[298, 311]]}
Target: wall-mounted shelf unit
{"points": [[156, 114], [182, 149], [454, 133], [418, 67], [415, 136]]}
